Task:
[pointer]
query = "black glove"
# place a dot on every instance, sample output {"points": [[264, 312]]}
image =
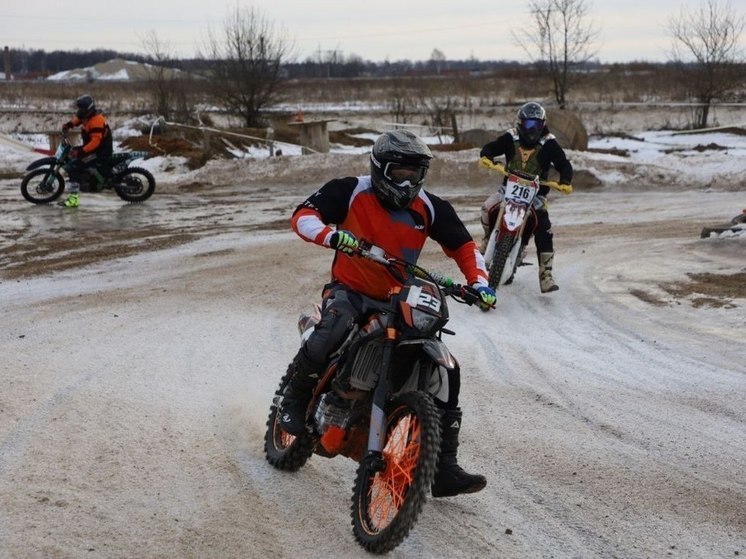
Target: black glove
{"points": [[67, 126], [344, 241]]}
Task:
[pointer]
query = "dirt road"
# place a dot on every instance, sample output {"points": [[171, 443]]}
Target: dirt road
{"points": [[142, 344]]}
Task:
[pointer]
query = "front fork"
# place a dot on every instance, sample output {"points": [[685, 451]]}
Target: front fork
{"points": [[377, 431], [50, 177]]}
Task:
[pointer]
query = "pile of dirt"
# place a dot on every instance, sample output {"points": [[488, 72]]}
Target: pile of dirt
{"points": [[164, 145], [201, 146]]}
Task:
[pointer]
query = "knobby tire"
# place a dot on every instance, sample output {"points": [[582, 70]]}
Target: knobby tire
{"points": [[500, 258], [29, 186], [385, 505], [124, 181], [283, 450]]}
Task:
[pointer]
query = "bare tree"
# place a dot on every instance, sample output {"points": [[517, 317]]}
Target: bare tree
{"points": [[442, 113], [401, 101], [709, 36], [562, 41], [166, 83], [246, 62], [437, 59]]}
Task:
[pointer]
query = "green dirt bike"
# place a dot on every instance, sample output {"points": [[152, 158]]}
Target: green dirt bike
{"points": [[44, 182]]}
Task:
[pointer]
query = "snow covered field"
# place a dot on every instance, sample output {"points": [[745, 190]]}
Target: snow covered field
{"points": [[142, 344]]}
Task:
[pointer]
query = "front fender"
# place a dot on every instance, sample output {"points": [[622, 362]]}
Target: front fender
{"points": [[51, 161], [435, 349], [514, 216], [440, 354], [437, 381]]}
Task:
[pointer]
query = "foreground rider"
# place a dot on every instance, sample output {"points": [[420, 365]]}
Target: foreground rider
{"points": [[97, 145], [530, 148], [390, 210]]}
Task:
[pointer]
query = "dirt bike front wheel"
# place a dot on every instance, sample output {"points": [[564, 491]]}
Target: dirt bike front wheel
{"points": [[42, 186], [134, 184], [283, 450], [500, 259], [386, 503]]}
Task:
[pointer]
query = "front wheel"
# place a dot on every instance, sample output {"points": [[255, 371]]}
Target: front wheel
{"points": [[500, 259], [134, 184], [42, 186], [283, 450], [386, 503]]}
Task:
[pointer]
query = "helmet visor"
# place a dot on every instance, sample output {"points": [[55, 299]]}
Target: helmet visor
{"points": [[533, 125], [404, 175]]}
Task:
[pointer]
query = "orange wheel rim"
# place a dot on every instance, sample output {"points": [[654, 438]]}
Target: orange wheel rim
{"points": [[389, 488], [284, 438]]}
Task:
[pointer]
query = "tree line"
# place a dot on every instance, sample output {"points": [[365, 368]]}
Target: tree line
{"points": [[247, 60], [39, 63]]}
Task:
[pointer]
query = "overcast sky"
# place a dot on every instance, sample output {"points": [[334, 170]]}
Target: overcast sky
{"points": [[374, 30]]}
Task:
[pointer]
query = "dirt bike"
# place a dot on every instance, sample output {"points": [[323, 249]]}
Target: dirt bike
{"points": [[505, 247], [374, 402], [45, 183]]}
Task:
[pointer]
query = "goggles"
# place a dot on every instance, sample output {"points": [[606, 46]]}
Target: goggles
{"points": [[533, 124], [404, 175]]}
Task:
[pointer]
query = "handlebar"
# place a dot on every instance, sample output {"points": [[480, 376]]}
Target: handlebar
{"points": [[460, 293], [500, 168]]}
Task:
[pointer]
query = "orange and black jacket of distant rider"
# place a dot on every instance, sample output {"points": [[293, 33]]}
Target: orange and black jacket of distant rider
{"points": [[352, 205], [96, 134]]}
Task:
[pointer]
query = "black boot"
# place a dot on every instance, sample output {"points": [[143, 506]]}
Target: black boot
{"points": [[298, 395], [450, 478]]}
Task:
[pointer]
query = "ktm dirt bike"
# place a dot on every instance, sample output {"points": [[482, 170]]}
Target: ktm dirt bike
{"points": [[375, 402], [44, 183], [506, 242]]}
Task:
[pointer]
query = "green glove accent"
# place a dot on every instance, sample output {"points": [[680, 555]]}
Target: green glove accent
{"points": [[487, 295], [344, 241]]}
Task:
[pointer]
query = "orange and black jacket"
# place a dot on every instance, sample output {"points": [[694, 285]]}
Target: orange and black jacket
{"points": [[96, 134], [352, 205]]}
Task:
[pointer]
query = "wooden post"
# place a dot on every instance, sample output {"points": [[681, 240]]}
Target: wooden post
{"points": [[454, 126], [72, 135], [7, 63], [314, 136], [206, 135]]}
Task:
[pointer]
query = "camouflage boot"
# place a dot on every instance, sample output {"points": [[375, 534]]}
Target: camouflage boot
{"points": [[546, 281]]}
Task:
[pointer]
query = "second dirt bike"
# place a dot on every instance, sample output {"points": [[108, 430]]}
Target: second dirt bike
{"points": [[375, 402], [504, 249], [44, 182]]}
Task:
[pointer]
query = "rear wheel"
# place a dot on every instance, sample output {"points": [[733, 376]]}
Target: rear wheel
{"points": [[283, 450], [42, 186], [134, 184], [500, 258], [386, 502]]}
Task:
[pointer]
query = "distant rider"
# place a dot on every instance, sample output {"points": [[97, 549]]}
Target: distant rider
{"points": [[530, 148], [97, 145], [390, 209]]}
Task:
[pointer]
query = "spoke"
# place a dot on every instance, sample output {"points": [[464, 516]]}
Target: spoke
{"points": [[388, 489]]}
